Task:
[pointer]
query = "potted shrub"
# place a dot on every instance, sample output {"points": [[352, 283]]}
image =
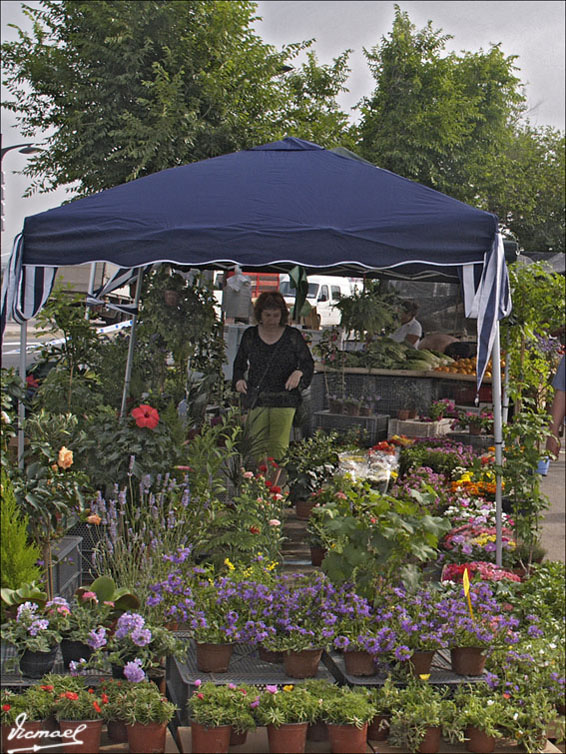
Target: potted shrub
{"points": [[23, 715], [416, 723], [81, 625], [347, 713], [286, 713], [385, 699], [35, 641], [309, 463], [214, 709], [112, 690], [80, 712], [146, 713], [478, 716]]}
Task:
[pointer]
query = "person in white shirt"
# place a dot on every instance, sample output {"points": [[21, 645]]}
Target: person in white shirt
{"points": [[410, 331]]}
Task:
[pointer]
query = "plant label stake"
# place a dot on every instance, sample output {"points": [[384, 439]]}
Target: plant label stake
{"points": [[466, 582]]}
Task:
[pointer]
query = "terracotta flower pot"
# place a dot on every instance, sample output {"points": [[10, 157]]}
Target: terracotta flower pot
{"points": [[88, 739], [37, 664], [302, 664], [431, 741], [420, 662], [317, 555], [30, 726], [478, 741], [238, 738], [474, 430], [347, 739], [289, 738], [210, 740], [276, 658], [359, 663], [377, 731], [303, 509], [147, 739], [317, 731], [117, 732], [467, 660], [403, 414], [213, 658]]}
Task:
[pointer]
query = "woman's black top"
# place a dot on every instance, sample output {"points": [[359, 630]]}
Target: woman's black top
{"points": [[256, 357]]}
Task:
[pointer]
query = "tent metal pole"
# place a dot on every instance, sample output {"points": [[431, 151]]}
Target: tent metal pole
{"points": [[21, 405], [91, 279], [498, 438], [130, 358]]}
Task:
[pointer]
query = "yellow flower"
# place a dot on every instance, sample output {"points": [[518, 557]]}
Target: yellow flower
{"points": [[231, 567], [394, 474], [424, 676], [289, 687], [65, 459]]}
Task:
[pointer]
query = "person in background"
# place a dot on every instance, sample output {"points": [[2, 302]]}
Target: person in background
{"points": [[278, 364], [558, 409], [448, 344], [410, 330]]}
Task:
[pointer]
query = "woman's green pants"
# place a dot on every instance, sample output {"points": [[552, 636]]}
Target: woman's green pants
{"points": [[271, 430]]}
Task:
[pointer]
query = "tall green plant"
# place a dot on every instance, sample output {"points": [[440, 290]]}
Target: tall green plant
{"points": [[18, 556]]}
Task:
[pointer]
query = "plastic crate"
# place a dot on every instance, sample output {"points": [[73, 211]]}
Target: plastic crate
{"points": [[413, 428], [66, 566], [375, 426]]}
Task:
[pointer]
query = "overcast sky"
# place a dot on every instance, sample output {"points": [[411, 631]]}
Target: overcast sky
{"points": [[534, 31]]}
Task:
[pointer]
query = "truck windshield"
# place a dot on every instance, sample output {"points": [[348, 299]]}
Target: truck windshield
{"points": [[286, 291]]}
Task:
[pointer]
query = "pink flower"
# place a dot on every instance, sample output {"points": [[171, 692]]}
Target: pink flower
{"points": [[89, 596], [146, 416], [271, 689], [198, 682], [248, 475], [274, 522]]}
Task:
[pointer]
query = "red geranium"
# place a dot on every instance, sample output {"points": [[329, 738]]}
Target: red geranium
{"points": [[146, 416]]}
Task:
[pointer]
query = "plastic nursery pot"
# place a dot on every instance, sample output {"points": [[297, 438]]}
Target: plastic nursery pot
{"points": [[303, 509], [403, 414], [359, 663], [210, 740], [302, 664], [478, 741], [74, 651], [347, 739], [87, 739], [147, 739], [317, 731], [117, 732], [214, 658], [31, 727], [37, 664], [431, 741], [289, 738], [467, 660], [238, 738], [420, 662], [378, 729], [276, 658]]}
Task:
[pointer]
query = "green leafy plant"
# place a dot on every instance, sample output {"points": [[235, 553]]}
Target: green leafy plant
{"points": [[141, 703], [11, 705], [18, 556], [348, 707], [309, 462], [477, 706], [30, 629], [421, 706], [213, 705], [79, 705], [291, 704]]}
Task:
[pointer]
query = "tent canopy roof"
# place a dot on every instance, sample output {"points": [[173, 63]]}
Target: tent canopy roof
{"points": [[268, 208]]}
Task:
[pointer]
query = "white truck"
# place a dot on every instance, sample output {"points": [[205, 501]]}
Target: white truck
{"points": [[324, 292]]}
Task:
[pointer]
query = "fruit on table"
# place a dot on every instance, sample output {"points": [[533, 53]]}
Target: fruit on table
{"points": [[467, 366]]}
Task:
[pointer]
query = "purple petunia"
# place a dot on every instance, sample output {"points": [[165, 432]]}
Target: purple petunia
{"points": [[133, 671]]}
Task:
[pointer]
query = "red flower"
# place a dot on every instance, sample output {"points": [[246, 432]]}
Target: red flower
{"points": [[6, 707], [90, 691], [104, 699], [269, 483], [96, 706], [146, 416], [31, 381], [506, 695], [275, 489], [47, 688], [71, 695], [254, 529], [200, 696], [262, 468]]}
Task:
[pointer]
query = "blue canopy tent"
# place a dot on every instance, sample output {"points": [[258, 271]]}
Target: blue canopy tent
{"points": [[271, 208]]}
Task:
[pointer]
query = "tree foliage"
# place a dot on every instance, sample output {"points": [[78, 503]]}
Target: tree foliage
{"points": [[127, 88]]}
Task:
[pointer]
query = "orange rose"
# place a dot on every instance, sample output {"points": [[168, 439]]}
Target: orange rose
{"points": [[65, 459]]}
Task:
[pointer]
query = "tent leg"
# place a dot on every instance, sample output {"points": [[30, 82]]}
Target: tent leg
{"points": [[91, 279], [505, 399], [498, 438], [130, 358], [21, 405]]}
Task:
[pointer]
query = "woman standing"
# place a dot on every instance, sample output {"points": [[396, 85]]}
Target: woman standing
{"points": [[410, 330], [278, 364]]}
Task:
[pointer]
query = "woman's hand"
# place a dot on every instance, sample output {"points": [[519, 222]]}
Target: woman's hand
{"points": [[293, 380], [242, 387]]}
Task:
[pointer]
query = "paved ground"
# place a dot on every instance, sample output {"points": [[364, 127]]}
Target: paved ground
{"points": [[553, 529]]}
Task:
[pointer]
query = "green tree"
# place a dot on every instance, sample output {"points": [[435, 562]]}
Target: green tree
{"points": [[126, 89], [18, 556], [438, 118], [532, 204]]}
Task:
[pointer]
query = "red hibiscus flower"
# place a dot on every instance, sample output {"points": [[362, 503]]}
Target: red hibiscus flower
{"points": [[146, 416]]}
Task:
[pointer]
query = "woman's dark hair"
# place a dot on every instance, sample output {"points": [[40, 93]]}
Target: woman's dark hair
{"points": [[271, 300], [411, 307]]}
